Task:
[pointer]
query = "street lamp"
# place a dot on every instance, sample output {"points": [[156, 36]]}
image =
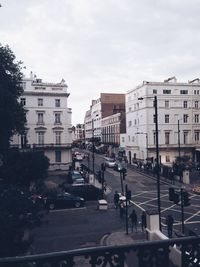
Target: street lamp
{"points": [[179, 144], [157, 158], [146, 141], [93, 146]]}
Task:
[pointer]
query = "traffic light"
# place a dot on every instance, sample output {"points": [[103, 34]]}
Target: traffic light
{"points": [[128, 195], [124, 173], [176, 198], [171, 193], [186, 199], [103, 167]]}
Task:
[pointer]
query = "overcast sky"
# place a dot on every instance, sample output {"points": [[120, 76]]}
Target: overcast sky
{"points": [[103, 45]]}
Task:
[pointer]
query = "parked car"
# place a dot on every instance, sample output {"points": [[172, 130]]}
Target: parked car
{"points": [[87, 191], [75, 177], [63, 200], [109, 162], [196, 189], [119, 167]]}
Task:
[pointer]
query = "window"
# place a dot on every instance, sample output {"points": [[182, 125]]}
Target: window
{"points": [[129, 123], [167, 158], [133, 138], [167, 135], [57, 103], [129, 138], [40, 118], [57, 156], [154, 138], [154, 118], [40, 102], [58, 137], [40, 138], [23, 101], [166, 103], [123, 139], [185, 118], [196, 118], [166, 118], [23, 140], [183, 92], [185, 104], [196, 104], [166, 92], [57, 118], [154, 91], [196, 136], [129, 109], [185, 138]]}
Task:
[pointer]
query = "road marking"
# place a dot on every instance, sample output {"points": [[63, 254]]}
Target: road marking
{"points": [[197, 213], [82, 208]]}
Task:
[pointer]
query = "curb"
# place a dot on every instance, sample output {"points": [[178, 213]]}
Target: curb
{"points": [[103, 240]]}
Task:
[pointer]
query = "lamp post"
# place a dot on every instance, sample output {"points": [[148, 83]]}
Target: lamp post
{"points": [[179, 144], [157, 158], [146, 141], [92, 146]]}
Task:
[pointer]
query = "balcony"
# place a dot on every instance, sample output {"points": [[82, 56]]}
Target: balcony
{"points": [[166, 253]]}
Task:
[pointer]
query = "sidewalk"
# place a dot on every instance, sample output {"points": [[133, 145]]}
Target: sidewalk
{"points": [[121, 238]]}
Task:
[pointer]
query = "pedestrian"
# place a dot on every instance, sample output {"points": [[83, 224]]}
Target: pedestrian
{"points": [[121, 208], [169, 222], [143, 221], [133, 218], [116, 199]]}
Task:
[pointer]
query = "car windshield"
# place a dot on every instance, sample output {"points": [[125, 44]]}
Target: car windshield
{"points": [[111, 160], [76, 175]]}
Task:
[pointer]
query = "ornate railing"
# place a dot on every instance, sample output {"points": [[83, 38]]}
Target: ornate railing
{"points": [[184, 251]]}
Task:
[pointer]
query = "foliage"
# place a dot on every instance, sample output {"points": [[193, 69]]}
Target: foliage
{"points": [[22, 168], [18, 213], [12, 114]]}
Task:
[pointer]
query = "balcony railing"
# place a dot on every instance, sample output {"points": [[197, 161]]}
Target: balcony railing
{"points": [[184, 252]]}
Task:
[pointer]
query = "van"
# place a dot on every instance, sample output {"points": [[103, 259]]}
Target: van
{"points": [[86, 191]]}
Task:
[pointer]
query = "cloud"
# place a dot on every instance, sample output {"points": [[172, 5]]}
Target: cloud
{"points": [[103, 46]]}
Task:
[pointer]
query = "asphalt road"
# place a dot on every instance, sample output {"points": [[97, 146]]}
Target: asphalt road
{"points": [[84, 227]]}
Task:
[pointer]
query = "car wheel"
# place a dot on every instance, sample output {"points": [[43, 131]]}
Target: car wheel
{"points": [[77, 204], [51, 206]]}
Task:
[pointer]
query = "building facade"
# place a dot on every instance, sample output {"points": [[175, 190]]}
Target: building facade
{"points": [[178, 106], [48, 121], [105, 106]]}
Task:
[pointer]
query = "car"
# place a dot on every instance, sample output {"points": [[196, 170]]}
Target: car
{"points": [[63, 200], [119, 167], [75, 177], [109, 162], [196, 189], [87, 191]]}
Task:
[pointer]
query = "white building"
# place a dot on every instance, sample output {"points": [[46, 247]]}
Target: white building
{"points": [[175, 101], [48, 121]]}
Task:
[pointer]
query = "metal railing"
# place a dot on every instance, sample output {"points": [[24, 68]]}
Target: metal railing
{"points": [[146, 254]]}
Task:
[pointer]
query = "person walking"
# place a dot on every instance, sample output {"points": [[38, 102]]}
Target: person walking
{"points": [[121, 208], [143, 221], [133, 218], [170, 222], [116, 199]]}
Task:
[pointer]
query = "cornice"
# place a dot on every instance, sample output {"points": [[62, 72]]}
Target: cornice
{"points": [[45, 94]]}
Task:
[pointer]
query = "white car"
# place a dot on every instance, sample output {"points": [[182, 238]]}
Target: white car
{"points": [[109, 162]]}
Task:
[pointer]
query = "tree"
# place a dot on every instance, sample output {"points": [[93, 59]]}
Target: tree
{"points": [[12, 113], [23, 168]]}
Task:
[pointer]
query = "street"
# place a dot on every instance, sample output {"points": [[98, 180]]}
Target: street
{"points": [[84, 227]]}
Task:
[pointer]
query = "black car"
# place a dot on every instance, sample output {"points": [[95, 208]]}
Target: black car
{"points": [[119, 167], [86, 191], [63, 200]]}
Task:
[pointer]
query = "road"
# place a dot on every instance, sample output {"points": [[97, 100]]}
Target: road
{"points": [[84, 227]]}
